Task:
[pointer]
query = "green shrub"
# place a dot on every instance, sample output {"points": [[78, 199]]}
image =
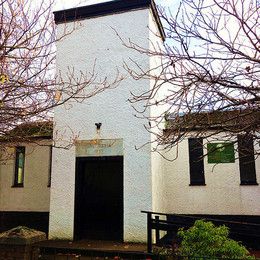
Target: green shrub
{"points": [[206, 240]]}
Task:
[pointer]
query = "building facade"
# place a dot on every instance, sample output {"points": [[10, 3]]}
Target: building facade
{"points": [[215, 184], [25, 177], [107, 132], [99, 181]]}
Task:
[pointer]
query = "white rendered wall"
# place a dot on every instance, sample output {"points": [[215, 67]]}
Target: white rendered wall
{"points": [[96, 40], [157, 112], [222, 194], [35, 195]]}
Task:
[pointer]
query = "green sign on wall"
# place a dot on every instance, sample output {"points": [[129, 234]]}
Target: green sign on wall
{"points": [[221, 153]]}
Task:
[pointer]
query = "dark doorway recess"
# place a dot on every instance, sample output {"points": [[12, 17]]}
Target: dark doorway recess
{"points": [[99, 198]]}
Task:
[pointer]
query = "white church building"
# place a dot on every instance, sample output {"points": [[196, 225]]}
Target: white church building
{"points": [[97, 187]]}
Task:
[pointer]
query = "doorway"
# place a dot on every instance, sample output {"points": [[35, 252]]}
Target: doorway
{"points": [[99, 198]]}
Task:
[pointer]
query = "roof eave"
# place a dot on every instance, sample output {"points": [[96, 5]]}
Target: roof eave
{"points": [[107, 8]]}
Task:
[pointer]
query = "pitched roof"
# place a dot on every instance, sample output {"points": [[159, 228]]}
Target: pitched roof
{"points": [[27, 131], [230, 120]]}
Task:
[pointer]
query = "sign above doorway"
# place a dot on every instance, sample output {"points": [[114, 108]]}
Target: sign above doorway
{"points": [[99, 147]]}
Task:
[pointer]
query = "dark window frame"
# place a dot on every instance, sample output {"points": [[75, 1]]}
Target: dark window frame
{"points": [[196, 149], [247, 167], [18, 150], [50, 166]]}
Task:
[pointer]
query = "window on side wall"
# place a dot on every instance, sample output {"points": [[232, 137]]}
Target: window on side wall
{"points": [[50, 164], [246, 160], [196, 161], [19, 166]]}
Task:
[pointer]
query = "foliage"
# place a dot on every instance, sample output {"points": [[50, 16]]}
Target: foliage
{"points": [[204, 239], [163, 252]]}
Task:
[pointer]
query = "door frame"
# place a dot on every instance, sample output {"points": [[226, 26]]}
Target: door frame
{"points": [[78, 168]]}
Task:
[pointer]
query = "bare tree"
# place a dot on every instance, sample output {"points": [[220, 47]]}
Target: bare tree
{"points": [[209, 75], [29, 85]]}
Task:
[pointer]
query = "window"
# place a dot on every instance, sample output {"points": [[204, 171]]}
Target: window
{"points": [[50, 163], [196, 161], [19, 166], [246, 160], [221, 152]]}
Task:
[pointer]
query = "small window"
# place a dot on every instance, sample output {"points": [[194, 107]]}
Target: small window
{"points": [[246, 160], [19, 166], [50, 163], [196, 161], [221, 152]]}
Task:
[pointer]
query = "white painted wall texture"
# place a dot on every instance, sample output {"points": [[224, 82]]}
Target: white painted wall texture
{"points": [[222, 195], [156, 43], [96, 40], [35, 195]]}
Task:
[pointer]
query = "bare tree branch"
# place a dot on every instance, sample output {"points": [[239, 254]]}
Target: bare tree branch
{"points": [[30, 88], [209, 76]]}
